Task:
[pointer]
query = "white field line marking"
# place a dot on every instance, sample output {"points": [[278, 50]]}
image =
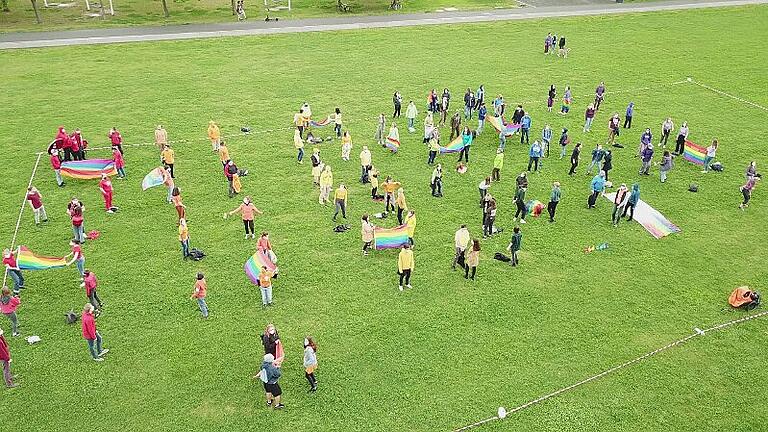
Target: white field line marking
{"points": [[678, 342], [722, 93]]}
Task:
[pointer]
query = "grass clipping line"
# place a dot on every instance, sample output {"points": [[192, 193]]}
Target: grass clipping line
{"points": [[697, 332]]}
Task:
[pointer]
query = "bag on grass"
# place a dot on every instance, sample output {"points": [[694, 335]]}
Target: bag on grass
{"points": [[501, 257], [743, 297], [717, 166], [196, 254], [693, 187], [71, 317]]}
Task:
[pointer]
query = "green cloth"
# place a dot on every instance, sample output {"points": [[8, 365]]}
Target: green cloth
{"points": [[517, 240], [498, 162]]}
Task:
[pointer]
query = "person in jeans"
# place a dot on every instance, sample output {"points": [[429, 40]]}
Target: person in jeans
{"points": [[8, 305], [269, 375], [13, 270], [337, 122], [634, 198], [647, 159], [298, 144], [481, 113], [35, 200], [5, 361], [534, 155], [514, 245], [365, 162], [666, 165], [461, 241], [628, 115], [546, 139], [597, 185], [434, 149], [489, 216], [525, 126], [589, 117], [75, 209], [340, 199], [554, 200], [619, 203], [666, 129], [410, 114], [56, 165], [184, 238], [91, 335], [265, 285], [410, 223], [405, 265], [522, 210], [91, 283], [710, 156], [564, 141], [473, 259], [199, 293], [597, 157], [437, 181]]}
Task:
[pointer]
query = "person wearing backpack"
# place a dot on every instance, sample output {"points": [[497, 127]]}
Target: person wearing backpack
{"points": [[269, 375]]}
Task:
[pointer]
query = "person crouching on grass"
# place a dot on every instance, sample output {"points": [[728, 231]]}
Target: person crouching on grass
{"points": [[91, 335], [199, 293], [310, 362], [405, 265]]}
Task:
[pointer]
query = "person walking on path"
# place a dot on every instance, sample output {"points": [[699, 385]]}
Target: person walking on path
{"points": [[35, 200], [634, 198], [666, 165], [405, 266], [554, 200], [199, 293], [619, 203], [340, 199], [514, 246], [8, 305], [473, 259], [628, 115], [461, 241], [310, 362], [91, 335], [597, 186], [710, 156], [5, 361]]}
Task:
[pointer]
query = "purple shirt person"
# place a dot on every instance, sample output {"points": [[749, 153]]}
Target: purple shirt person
{"points": [[646, 157], [645, 139], [599, 92]]}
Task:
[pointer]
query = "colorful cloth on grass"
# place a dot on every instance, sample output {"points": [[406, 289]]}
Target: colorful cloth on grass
{"points": [[28, 260], [534, 207], [651, 219], [390, 238], [694, 153], [154, 178], [88, 169], [255, 263], [455, 146], [322, 123], [500, 124], [392, 144]]}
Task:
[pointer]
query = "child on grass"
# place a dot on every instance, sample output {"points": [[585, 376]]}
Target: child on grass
{"points": [[514, 245], [310, 362], [199, 293], [473, 259]]}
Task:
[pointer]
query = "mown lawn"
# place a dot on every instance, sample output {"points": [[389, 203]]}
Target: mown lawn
{"points": [[449, 352]]}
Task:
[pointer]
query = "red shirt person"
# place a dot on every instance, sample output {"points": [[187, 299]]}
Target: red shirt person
{"points": [[117, 156], [56, 165], [91, 335], [116, 139], [5, 361], [90, 282], [36, 202], [105, 186]]}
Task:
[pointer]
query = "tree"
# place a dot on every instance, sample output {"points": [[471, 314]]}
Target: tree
{"points": [[37, 12], [5, 5], [165, 9]]}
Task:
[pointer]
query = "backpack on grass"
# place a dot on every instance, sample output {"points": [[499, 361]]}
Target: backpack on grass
{"points": [[196, 254], [745, 298]]}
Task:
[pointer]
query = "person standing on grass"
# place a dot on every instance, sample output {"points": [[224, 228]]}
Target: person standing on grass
{"points": [[567, 100], [597, 157], [746, 191], [402, 206], [405, 265], [397, 101], [56, 165], [482, 112], [167, 157], [461, 241], [13, 270], [551, 95], [436, 182], [340, 199], [666, 165], [483, 188], [445, 102], [161, 137], [91, 335], [326, 184], [599, 95], [525, 126], [176, 199], [498, 164], [5, 361], [365, 162], [78, 259], [554, 200], [469, 103], [366, 232], [346, 146], [373, 176], [91, 283], [480, 96], [466, 139], [489, 216], [298, 144], [394, 133], [710, 156], [473, 259], [645, 140], [628, 115], [598, 188], [456, 126], [380, 137], [589, 117], [514, 245], [35, 200], [116, 139], [410, 114], [265, 286], [613, 129], [517, 116], [105, 186], [634, 198], [564, 141], [563, 51], [434, 148], [546, 139], [270, 339], [337, 122], [502, 140], [8, 305], [429, 126], [751, 171], [75, 210], [534, 154], [575, 156], [184, 238], [170, 185], [270, 375], [247, 210], [620, 201], [390, 188], [607, 163], [310, 362], [647, 159], [117, 157], [199, 292], [214, 134], [410, 223], [519, 199], [666, 129], [498, 106], [682, 136], [317, 166]]}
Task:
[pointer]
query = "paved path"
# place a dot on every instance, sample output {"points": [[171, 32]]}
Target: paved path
{"points": [[536, 9]]}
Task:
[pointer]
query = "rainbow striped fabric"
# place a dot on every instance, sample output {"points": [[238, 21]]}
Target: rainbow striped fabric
{"points": [[651, 219], [392, 144], [88, 169], [694, 153], [322, 123], [27, 260], [390, 238], [255, 263], [499, 124], [534, 207], [454, 146], [154, 178]]}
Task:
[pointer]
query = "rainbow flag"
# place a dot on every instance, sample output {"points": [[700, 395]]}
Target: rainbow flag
{"points": [[392, 144], [254, 264], [154, 178], [651, 219], [694, 153], [322, 123], [390, 238], [455, 146], [534, 207], [27, 260], [499, 124], [88, 169]]}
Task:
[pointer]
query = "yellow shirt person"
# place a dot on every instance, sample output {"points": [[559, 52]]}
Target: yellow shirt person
{"points": [[410, 223], [214, 134], [405, 265], [168, 155]]}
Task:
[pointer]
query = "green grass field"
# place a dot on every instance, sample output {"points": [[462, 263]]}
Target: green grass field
{"points": [[448, 352]]}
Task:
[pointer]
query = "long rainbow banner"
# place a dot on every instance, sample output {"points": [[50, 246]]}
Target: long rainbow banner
{"points": [[392, 144], [255, 263], [499, 124], [28, 260], [154, 178], [651, 219], [694, 153], [390, 238], [88, 169], [322, 123], [454, 146]]}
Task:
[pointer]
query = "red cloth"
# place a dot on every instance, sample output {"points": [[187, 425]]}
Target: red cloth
{"points": [[116, 138], [76, 141], [63, 138], [89, 326], [118, 158], [11, 306], [10, 262], [90, 283], [5, 355], [55, 162], [36, 199]]}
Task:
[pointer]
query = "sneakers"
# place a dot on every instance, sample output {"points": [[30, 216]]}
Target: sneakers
{"points": [[98, 359], [246, 236], [522, 221], [16, 334], [269, 403], [103, 352], [409, 286], [279, 406], [400, 287]]}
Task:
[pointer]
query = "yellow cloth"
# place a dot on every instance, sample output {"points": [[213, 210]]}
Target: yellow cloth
{"points": [[213, 132], [411, 224], [168, 156], [298, 142], [367, 232], [391, 187], [326, 179], [473, 258], [223, 153], [405, 260], [236, 185], [183, 232], [400, 202], [340, 194], [433, 145]]}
